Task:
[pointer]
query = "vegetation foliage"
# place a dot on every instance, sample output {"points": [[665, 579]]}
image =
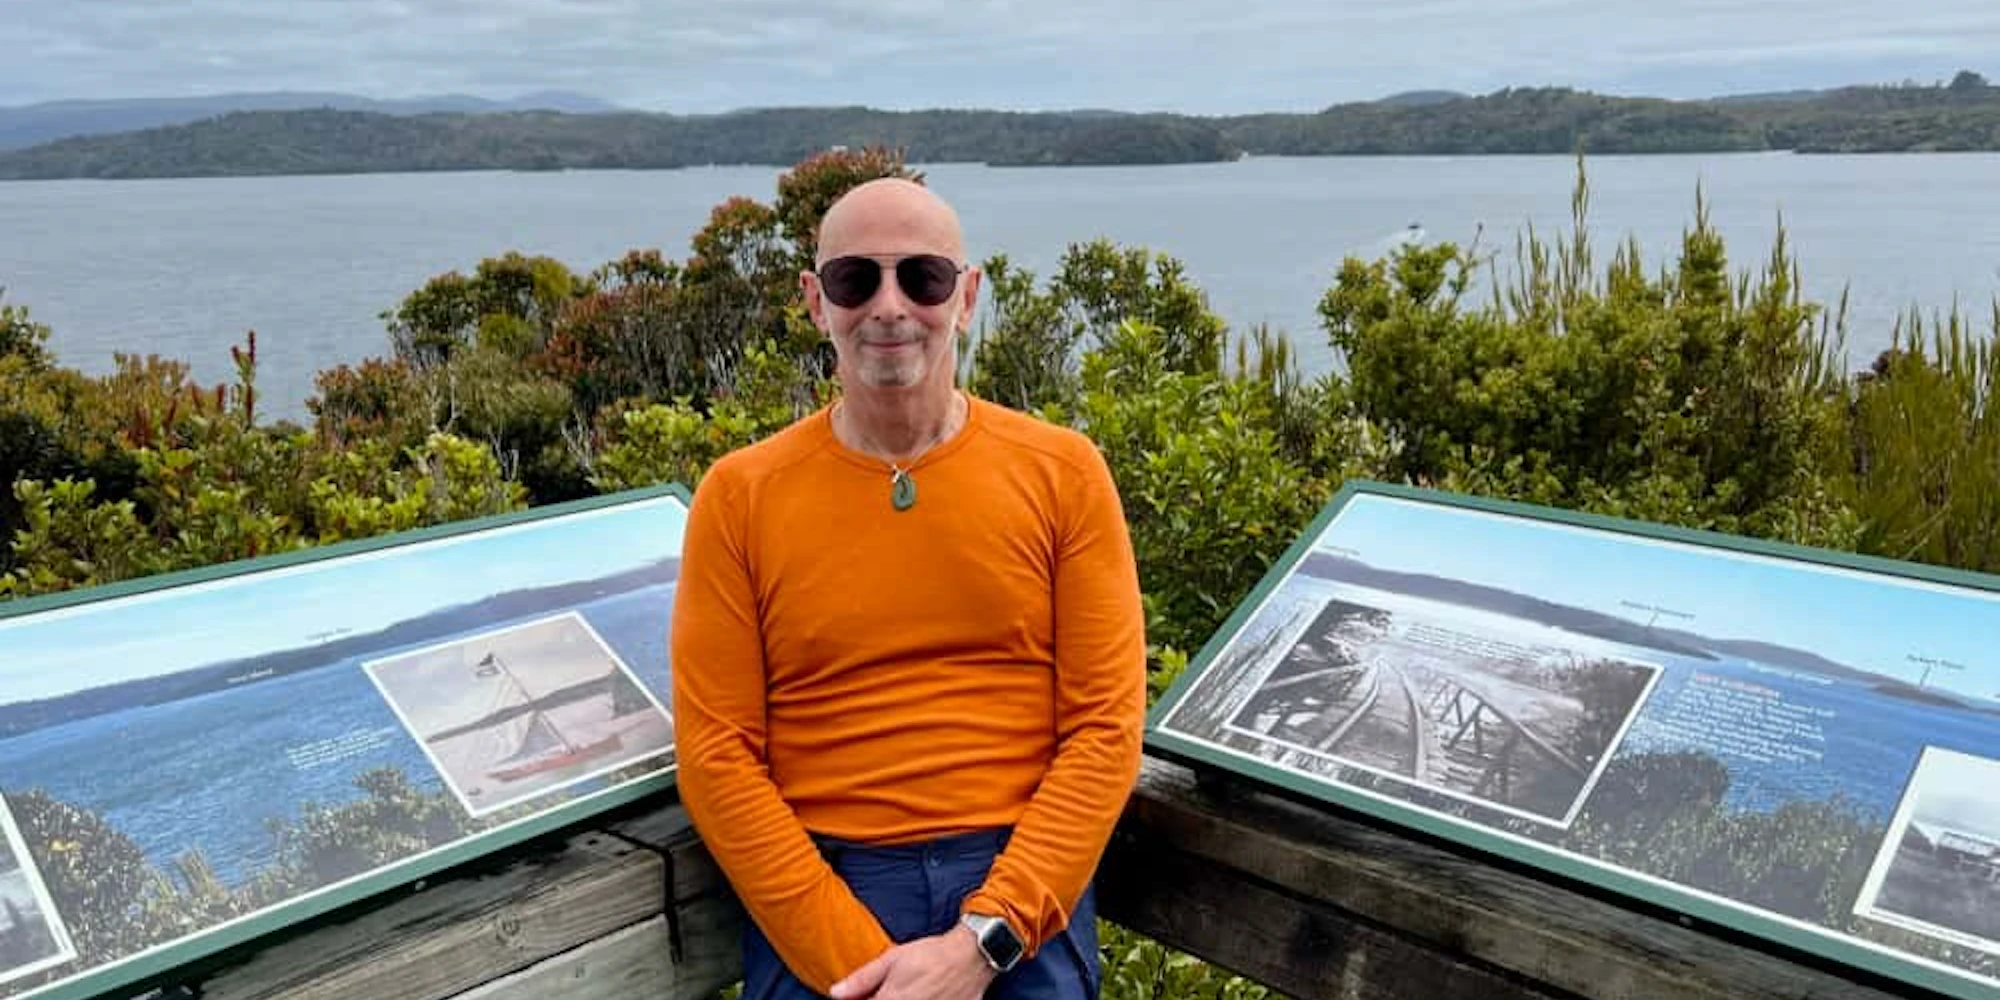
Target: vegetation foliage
{"points": [[1681, 393]]}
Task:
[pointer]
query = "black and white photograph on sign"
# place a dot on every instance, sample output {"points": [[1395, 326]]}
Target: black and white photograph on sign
{"points": [[1445, 703], [1939, 871], [509, 714], [32, 936]]}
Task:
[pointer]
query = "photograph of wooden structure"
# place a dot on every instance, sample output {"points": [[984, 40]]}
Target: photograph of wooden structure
{"points": [[1939, 871], [1446, 705]]}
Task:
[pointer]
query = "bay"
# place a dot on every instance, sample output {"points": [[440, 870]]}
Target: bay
{"points": [[183, 268]]}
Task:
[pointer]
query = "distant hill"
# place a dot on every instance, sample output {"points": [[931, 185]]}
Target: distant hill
{"points": [[324, 141], [1963, 115], [32, 124], [1421, 98], [28, 716], [1327, 566], [1768, 97], [1782, 656]]}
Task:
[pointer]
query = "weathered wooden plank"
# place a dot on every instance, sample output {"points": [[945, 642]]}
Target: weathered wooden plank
{"points": [[1297, 947], [461, 933], [636, 962], [1322, 879], [1313, 905]]}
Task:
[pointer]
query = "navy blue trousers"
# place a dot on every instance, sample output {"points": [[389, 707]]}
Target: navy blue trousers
{"points": [[915, 891]]}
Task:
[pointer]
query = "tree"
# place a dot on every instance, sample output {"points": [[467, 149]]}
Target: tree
{"points": [[22, 337], [807, 190], [508, 303], [1967, 82]]}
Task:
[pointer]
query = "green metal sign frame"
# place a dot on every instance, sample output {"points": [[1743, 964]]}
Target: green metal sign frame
{"points": [[567, 798], [1410, 598]]}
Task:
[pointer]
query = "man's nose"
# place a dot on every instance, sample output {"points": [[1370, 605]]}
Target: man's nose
{"points": [[888, 300]]}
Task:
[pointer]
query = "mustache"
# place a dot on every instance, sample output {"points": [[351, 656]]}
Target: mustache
{"points": [[890, 333]]}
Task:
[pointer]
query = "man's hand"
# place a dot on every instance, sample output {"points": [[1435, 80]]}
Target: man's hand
{"points": [[946, 966]]}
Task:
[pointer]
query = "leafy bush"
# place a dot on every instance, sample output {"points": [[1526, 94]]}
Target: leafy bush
{"points": [[1919, 461], [1199, 469], [96, 876], [676, 443], [512, 299], [1670, 399], [1026, 353], [393, 820], [21, 337]]}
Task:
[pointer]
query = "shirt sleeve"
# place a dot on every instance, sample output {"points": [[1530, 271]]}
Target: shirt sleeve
{"points": [[1100, 653], [813, 920]]}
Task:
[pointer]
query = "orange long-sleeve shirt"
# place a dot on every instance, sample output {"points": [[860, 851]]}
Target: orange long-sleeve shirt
{"points": [[875, 675]]}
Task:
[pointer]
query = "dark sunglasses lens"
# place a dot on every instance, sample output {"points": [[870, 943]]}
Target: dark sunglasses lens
{"points": [[849, 281], [927, 280]]}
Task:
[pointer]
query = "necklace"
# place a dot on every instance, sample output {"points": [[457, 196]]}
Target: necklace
{"points": [[902, 486], [902, 489]]}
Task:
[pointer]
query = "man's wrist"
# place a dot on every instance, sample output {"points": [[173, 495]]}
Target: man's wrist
{"points": [[970, 942], [994, 940]]}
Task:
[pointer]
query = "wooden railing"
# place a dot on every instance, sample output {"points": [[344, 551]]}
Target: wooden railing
{"points": [[1316, 906], [1466, 713]]}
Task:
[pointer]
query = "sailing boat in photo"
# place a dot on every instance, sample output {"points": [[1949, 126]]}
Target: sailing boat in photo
{"points": [[532, 742]]}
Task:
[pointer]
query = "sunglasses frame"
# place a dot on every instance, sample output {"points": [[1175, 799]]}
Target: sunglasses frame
{"points": [[902, 283]]}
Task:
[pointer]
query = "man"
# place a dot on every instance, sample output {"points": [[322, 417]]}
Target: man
{"points": [[909, 654]]}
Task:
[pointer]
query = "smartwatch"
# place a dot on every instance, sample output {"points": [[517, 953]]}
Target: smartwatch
{"points": [[997, 941]]}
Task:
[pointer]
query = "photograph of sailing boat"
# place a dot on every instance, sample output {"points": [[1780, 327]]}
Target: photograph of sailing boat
{"points": [[513, 713], [32, 937]]}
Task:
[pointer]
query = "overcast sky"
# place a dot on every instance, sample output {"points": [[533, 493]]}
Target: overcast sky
{"points": [[1199, 56]]}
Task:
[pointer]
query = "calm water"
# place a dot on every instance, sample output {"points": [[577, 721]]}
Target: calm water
{"points": [[183, 267], [1870, 743]]}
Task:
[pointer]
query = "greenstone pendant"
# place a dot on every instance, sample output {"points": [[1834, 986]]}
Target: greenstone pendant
{"points": [[902, 490]]}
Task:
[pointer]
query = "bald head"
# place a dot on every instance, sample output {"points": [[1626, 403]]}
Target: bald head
{"points": [[890, 216]]}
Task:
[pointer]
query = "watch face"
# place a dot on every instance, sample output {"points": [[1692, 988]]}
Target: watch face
{"points": [[1000, 944]]}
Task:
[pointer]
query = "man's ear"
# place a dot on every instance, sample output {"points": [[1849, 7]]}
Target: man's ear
{"points": [[969, 297], [815, 306]]}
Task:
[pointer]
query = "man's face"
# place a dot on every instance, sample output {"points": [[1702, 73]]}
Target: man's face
{"points": [[893, 339]]}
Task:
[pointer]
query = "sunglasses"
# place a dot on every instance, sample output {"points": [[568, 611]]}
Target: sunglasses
{"points": [[926, 279]]}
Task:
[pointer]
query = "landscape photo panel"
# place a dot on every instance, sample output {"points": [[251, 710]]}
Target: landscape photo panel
{"points": [[1610, 699], [32, 936], [288, 735], [1939, 869]]}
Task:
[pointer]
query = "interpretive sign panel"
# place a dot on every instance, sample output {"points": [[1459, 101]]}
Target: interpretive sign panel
{"points": [[193, 761], [1797, 744]]}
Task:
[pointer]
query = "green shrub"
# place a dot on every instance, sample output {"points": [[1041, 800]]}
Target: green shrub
{"points": [[1919, 461], [1678, 399], [21, 337]]}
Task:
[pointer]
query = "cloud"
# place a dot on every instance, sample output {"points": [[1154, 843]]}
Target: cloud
{"points": [[1202, 56]]}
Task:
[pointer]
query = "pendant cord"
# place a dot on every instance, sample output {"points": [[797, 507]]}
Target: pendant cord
{"points": [[902, 486], [898, 469]]}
